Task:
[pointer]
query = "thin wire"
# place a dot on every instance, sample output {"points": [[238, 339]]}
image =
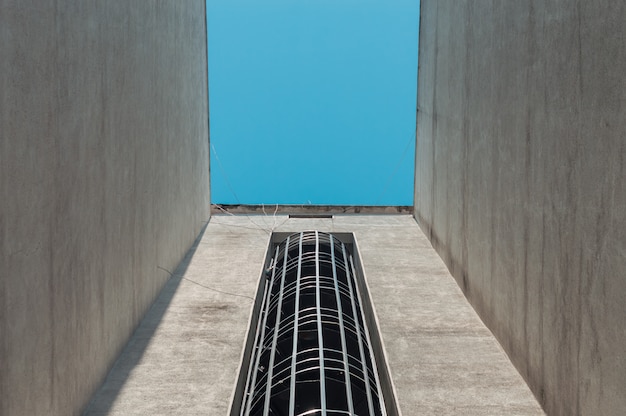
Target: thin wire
{"points": [[258, 227], [206, 287], [219, 163], [273, 227], [230, 187], [246, 236], [281, 224], [264, 213], [274, 215], [237, 226]]}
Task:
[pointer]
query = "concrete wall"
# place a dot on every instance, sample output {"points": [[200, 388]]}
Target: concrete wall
{"points": [[520, 183], [104, 183]]}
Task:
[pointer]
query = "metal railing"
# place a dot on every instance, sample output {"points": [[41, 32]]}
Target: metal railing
{"points": [[312, 352]]}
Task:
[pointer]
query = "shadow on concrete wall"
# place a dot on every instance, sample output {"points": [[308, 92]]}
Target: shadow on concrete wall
{"points": [[106, 395]]}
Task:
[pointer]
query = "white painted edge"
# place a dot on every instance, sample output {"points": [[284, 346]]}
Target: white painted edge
{"points": [[250, 316], [377, 323]]}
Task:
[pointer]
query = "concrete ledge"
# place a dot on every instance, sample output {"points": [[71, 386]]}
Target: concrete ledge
{"points": [[312, 210], [185, 357]]}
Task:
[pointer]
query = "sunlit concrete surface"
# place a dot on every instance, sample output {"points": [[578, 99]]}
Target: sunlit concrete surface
{"points": [[519, 183], [184, 358], [104, 178]]}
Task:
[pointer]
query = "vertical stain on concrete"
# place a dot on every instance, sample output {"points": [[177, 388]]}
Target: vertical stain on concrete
{"points": [[103, 156], [465, 137], [544, 196], [433, 136], [528, 203]]}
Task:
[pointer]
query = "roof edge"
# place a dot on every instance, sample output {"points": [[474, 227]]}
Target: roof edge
{"points": [[309, 209]]}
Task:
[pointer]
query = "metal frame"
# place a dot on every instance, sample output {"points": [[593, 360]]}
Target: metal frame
{"points": [[312, 352]]}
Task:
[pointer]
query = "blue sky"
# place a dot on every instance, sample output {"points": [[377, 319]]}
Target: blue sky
{"points": [[312, 101]]}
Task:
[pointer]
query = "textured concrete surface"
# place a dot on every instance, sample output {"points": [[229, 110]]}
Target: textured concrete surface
{"points": [[184, 358], [103, 181], [520, 168]]}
